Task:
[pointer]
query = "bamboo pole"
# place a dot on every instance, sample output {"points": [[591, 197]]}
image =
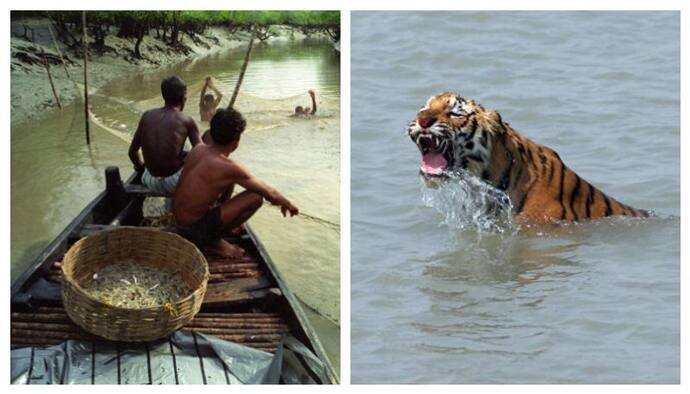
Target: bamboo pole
{"points": [[60, 313], [230, 321], [22, 341], [250, 331], [242, 70], [50, 79], [63, 335], [250, 315], [225, 330], [239, 325], [18, 342], [51, 334], [235, 272], [232, 275], [235, 263], [86, 82], [41, 317], [233, 267], [59, 52], [212, 259], [41, 326], [238, 315]]}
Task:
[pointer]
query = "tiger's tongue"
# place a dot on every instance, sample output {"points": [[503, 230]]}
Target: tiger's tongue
{"points": [[433, 163]]}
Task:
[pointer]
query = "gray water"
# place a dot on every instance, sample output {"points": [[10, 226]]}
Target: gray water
{"points": [[54, 174], [437, 297]]}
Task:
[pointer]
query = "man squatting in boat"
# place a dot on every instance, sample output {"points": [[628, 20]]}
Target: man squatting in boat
{"points": [[202, 187]]}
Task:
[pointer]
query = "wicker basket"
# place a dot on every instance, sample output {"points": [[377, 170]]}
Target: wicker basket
{"points": [[151, 247]]}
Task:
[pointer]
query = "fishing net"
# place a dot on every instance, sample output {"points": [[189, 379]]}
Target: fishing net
{"points": [[261, 113]]}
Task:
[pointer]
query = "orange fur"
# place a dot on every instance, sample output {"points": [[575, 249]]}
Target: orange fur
{"points": [[541, 187]]}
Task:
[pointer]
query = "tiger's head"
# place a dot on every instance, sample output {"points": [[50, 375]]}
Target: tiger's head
{"points": [[453, 132]]}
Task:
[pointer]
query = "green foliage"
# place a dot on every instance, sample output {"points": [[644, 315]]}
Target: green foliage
{"points": [[195, 20], [170, 24]]}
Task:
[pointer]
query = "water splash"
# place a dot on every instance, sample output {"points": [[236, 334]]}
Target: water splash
{"points": [[467, 202]]}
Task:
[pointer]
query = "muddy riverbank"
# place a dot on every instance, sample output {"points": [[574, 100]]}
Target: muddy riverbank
{"points": [[31, 93]]}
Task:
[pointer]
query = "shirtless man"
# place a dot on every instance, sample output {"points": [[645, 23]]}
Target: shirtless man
{"points": [[299, 111], [208, 103], [161, 135], [203, 207]]}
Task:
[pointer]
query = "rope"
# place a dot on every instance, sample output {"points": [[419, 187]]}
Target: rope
{"points": [[323, 315], [325, 222], [316, 219]]}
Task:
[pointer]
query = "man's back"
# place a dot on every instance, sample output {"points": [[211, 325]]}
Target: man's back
{"points": [[205, 177], [163, 133]]}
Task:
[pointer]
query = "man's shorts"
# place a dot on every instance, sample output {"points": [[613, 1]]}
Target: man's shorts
{"points": [[165, 186], [206, 230]]}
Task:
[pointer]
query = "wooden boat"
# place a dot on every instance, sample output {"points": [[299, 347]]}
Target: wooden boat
{"points": [[247, 301]]}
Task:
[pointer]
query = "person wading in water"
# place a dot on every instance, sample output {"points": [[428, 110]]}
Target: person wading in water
{"points": [[304, 112], [208, 103]]}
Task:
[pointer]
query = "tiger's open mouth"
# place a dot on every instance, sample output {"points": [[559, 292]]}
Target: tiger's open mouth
{"points": [[434, 160]]}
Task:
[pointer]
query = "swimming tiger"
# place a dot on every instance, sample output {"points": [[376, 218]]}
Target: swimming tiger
{"points": [[453, 132]]}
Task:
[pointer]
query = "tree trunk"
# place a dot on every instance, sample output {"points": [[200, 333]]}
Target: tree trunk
{"points": [[98, 34], [174, 35], [175, 29], [137, 45], [334, 33], [63, 31]]}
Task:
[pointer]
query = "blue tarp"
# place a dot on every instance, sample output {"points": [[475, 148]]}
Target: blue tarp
{"points": [[184, 358]]}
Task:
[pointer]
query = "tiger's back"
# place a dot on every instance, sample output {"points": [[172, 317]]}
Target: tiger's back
{"points": [[549, 189]]}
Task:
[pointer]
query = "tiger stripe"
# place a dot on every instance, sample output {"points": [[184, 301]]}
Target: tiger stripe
{"points": [[590, 200], [573, 194]]}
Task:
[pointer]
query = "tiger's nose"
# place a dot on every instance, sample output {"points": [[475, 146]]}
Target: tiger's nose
{"points": [[426, 121]]}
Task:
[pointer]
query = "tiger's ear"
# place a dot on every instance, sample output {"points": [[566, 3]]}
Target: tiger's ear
{"points": [[460, 106], [494, 116], [495, 120]]}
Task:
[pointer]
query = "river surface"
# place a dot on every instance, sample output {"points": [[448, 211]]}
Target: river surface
{"points": [[438, 296], [54, 174]]}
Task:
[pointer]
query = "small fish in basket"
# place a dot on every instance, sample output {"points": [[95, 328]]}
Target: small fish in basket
{"points": [[131, 285]]}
